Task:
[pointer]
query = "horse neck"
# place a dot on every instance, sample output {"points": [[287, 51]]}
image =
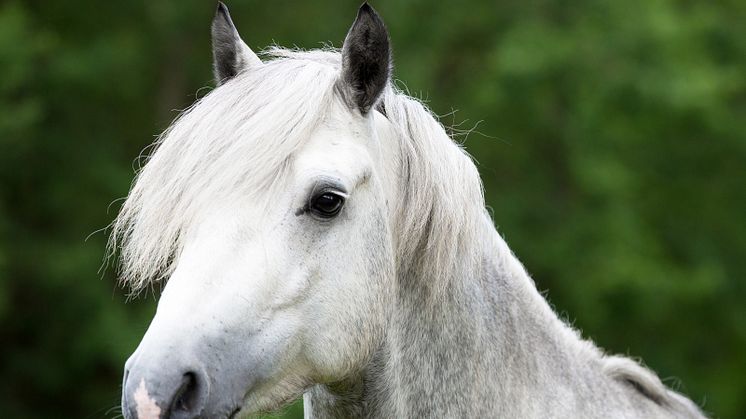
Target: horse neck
{"points": [[480, 341], [474, 348]]}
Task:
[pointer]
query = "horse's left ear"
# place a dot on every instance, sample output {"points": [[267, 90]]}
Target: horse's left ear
{"points": [[366, 60], [230, 53]]}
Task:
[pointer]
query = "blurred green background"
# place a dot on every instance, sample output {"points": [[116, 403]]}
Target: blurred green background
{"points": [[612, 149]]}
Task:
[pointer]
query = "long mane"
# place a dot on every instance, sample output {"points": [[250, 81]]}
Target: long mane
{"points": [[242, 135]]}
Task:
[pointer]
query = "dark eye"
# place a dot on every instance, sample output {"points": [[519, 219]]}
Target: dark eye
{"points": [[326, 205]]}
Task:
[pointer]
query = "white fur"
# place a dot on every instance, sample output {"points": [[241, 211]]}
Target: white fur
{"points": [[408, 304]]}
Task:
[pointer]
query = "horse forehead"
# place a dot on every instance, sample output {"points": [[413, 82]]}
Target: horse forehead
{"points": [[342, 149]]}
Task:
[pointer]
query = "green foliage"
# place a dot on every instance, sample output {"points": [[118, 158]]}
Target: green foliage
{"points": [[614, 160]]}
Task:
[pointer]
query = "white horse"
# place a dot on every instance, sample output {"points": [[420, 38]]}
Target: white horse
{"points": [[323, 236]]}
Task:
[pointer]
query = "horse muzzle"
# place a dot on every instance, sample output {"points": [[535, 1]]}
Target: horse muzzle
{"points": [[159, 389]]}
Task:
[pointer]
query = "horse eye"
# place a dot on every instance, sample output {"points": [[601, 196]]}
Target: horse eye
{"points": [[326, 205]]}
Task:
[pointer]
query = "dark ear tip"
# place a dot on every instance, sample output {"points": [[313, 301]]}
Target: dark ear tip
{"points": [[222, 17], [366, 9], [222, 9]]}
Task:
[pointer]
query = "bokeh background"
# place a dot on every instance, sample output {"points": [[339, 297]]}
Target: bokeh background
{"points": [[609, 134]]}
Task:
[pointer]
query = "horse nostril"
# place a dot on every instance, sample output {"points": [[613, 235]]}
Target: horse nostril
{"points": [[189, 398]]}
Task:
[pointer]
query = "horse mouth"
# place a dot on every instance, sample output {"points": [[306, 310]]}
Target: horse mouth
{"points": [[234, 413]]}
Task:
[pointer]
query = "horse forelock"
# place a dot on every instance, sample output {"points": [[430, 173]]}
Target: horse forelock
{"points": [[237, 139]]}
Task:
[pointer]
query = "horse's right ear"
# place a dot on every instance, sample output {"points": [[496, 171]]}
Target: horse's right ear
{"points": [[366, 60], [230, 53]]}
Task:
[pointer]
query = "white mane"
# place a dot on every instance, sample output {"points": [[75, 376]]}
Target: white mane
{"points": [[240, 137]]}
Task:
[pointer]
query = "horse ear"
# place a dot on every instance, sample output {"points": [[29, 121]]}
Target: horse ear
{"points": [[366, 59], [230, 53]]}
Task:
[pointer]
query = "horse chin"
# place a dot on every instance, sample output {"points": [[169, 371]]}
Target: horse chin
{"points": [[269, 399]]}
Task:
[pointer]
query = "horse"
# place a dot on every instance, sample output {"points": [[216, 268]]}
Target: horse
{"points": [[320, 234]]}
